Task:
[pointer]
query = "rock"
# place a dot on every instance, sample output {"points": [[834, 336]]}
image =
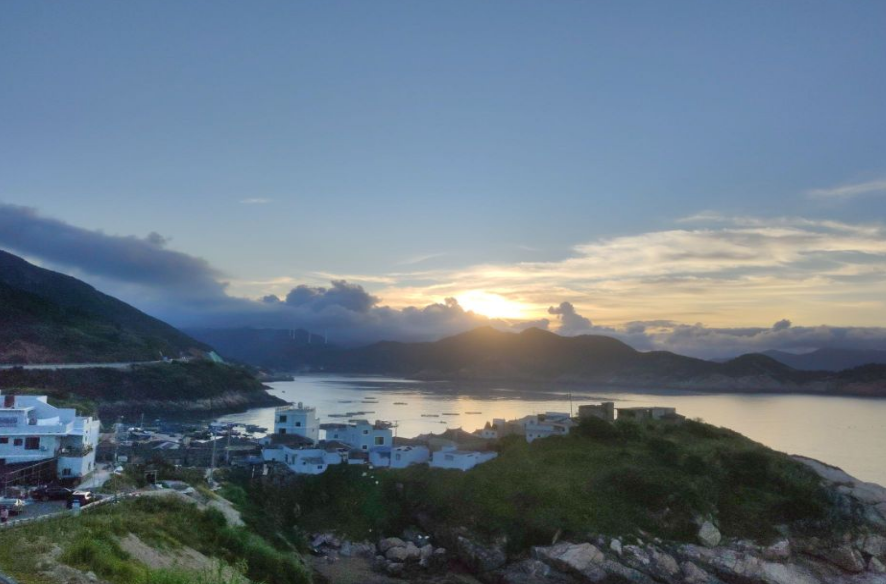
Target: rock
{"points": [[425, 552], [615, 546], [582, 559], [91, 576], [663, 564], [692, 574], [778, 573], [413, 553], [569, 557], [397, 554], [362, 549], [843, 556], [874, 545], [780, 550], [482, 558], [529, 572], [395, 568], [390, 542], [708, 535], [876, 566], [346, 549]]}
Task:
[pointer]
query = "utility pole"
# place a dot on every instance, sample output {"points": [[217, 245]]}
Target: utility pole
{"points": [[212, 462], [570, 404]]}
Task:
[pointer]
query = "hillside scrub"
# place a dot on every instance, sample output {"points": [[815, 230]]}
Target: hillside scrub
{"points": [[614, 479], [159, 381], [91, 542]]}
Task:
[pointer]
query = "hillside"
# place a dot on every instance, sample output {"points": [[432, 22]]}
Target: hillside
{"points": [[47, 317], [537, 355], [271, 348], [829, 359]]}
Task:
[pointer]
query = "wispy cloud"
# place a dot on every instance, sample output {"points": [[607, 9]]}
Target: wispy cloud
{"points": [[410, 261], [256, 201], [874, 187]]}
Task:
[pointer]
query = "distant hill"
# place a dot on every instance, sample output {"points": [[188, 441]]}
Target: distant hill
{"points": [[538, 355], [282, 349], [47, 317], [829, 359]]}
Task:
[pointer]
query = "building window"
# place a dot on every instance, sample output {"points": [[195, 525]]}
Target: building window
{"points": [[16, 441], [365, 447], [379, 440], [397, 456], [365, 432], [66, 472], [282, 419], [32, 443], [4, 440], [283, 430], [298, 424]]}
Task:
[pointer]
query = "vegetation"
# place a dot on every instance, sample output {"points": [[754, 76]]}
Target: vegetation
{"points": [[158, 381], [49, 317], [608, 478], [91, 542]]}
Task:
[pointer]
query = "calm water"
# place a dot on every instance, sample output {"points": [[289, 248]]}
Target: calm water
{"points": [[842, 431]]}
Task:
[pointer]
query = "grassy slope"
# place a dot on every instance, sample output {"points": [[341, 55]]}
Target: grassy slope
{"points": [[613, 479], [89, 543]]}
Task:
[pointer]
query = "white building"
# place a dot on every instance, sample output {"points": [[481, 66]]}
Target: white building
{"points": [[547, 424], [32, 431], [360, 434], [449, 457], [399, 456], [299, 420], [303, 460]]}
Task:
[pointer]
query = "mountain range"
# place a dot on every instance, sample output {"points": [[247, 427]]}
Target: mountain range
{"points": [[829, 359], [487, 354], [47, 317]]}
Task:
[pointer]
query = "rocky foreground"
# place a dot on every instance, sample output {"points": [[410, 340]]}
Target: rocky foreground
{"points": [[855, 556]]}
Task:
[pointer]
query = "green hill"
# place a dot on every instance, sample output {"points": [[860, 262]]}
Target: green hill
{"points": [[47, 317]]}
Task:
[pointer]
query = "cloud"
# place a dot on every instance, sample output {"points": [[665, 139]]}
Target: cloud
{"points": [[646, 287], [141, 261], [570, 321], [256, 201], [877, 187]]}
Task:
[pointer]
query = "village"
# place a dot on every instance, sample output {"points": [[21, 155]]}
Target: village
{"points": [[49, 453]]}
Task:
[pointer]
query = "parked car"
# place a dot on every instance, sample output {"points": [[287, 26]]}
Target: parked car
{"points": [[84, 497], [51, 493], [14, 505]]}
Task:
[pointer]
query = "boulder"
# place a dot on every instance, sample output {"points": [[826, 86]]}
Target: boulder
{"points": [[569, 557], [390, 542], [708, 535], [874, 545], [425, 552], [780, 550], [413, 553], [844, 556], [692, 574], [663, 564], [876, 566], [482, 558], [615, 546], [395, 568], [397, 554], [532, 572]]}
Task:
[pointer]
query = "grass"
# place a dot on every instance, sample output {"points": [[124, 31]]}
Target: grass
{"points": [[90, 542], [606, 478]]}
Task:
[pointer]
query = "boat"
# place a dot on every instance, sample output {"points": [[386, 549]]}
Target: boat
{"points": [[430, 416], [473, 412], [345, 401], [450, 414], [401, 404]]}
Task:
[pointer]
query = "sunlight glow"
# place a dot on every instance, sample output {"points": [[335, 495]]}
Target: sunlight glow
{"points": [[490, 305]]}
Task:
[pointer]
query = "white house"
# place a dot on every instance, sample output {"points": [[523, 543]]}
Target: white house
{"points": [[360, 434], [297, 419], [32, 431], [449, 457], [399, 456], [547, 424], [303, 460]]}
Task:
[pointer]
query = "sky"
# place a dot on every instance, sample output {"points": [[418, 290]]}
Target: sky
{"points": [[685, 175]]}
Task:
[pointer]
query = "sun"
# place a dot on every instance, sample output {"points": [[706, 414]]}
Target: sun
{"points": [[490, 305]]}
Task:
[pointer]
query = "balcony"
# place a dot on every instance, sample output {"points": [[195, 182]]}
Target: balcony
{"points": [[71, 451]]}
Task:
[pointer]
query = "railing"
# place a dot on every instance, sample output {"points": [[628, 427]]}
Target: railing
{"points": [[75, 451]]}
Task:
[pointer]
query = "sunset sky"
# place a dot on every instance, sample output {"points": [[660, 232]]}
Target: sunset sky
{"points": [[684, 175]]}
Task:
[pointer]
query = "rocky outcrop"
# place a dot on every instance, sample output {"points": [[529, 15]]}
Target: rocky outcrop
{"points": [[867, 501]]}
